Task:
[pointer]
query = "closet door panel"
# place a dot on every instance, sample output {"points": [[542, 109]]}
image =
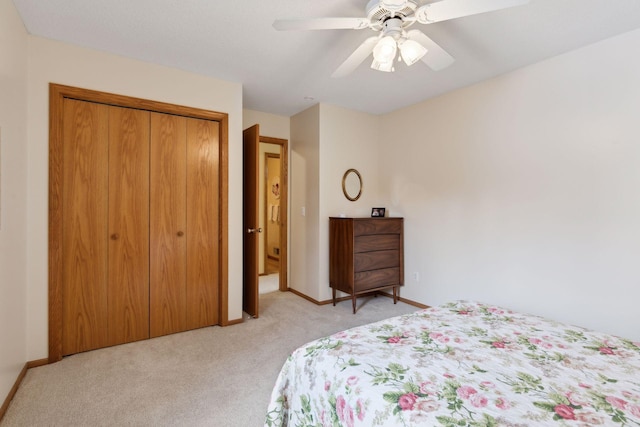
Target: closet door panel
{"points": [[167, 224], [128, 225], [202, 222], [84, 241]]}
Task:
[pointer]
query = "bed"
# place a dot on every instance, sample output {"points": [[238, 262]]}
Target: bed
{"points": [[460, 364]]}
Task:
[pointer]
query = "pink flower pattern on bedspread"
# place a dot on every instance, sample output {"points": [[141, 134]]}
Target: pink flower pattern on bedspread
{"points": [[460, 364]]}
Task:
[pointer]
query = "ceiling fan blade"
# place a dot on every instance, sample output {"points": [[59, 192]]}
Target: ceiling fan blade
{"points": [[356, 58], [321, 24], [451, 9], [436, 58]]}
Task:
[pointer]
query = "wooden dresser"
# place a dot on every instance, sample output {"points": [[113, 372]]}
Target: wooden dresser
{"points": [[365, 255]]}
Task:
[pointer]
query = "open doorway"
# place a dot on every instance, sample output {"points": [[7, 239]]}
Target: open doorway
{"points": [[272, 173], [270, 197]]}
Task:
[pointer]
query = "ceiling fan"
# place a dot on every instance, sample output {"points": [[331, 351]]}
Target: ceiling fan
{"points": [[391, 19]]}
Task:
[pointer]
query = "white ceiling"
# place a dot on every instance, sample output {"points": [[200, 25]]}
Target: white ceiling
{"points": [[286, 72]]}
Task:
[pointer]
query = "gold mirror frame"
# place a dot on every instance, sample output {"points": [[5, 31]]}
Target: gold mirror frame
{"points": [[347, 194]]}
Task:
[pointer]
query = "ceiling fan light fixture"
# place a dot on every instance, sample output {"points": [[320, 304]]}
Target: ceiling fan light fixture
{"points": [[387, 67], [385, 50], [411, 51]]}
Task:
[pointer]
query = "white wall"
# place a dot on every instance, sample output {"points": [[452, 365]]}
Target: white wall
{"points": [[13, 196], [304, 179], [524, 190], [55, 62], [272, 125], [348, 139], [326, 141]]}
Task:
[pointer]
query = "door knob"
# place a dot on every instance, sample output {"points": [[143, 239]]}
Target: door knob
{"points": [[254, 230]]}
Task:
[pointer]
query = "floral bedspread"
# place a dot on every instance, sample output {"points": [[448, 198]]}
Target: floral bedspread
{"points": [[460, 364]]}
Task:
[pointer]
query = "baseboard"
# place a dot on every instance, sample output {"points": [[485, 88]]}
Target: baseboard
{"points": [[16, 385], [233, 322], [36, 363], [308, 298], [404, 300]]}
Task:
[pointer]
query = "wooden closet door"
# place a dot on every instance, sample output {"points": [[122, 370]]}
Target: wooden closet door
{"points": [[128, 282], [167, 291], [84, 230], [202, 222]]}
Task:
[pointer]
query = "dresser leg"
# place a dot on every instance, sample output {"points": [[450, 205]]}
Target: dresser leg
{"points": [[333, 292], [353, 303], [395, 295]]}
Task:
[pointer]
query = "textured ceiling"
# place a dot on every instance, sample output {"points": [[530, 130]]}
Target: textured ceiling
{"points": [[286, 72]]}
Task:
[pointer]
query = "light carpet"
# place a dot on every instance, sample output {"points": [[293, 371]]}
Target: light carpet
{"points": [[268, 283], [207, 377]]}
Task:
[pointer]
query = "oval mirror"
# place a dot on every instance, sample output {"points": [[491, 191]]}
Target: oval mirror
{"points": [[352, 184]]}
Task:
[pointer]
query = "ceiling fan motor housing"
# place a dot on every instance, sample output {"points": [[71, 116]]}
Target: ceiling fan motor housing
{"points": [[380, 11], [393, 4], [393, 27]]}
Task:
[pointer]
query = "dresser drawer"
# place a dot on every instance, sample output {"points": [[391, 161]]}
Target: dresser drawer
{"points": [[376, 260], [372, 279], [377, 226], [374, 242]]}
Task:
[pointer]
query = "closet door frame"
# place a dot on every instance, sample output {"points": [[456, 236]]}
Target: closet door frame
{"points": [[57, 95]]}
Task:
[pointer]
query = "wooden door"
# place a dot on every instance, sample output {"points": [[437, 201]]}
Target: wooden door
{"points": [[100, 164], [84, 231], [203, 192], [250, 222], [168, 224], [105, 235], [128, 264], [184, 224]]}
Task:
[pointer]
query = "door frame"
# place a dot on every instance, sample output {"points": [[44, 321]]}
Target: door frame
{"points": [[57, 94], [284, 208], [266, 213]]}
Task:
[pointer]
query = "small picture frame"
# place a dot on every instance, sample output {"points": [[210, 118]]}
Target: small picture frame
{"points": [[377, 212]]}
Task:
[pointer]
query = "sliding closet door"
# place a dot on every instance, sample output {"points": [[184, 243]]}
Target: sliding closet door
{"points": [[128, 283], [168, 223], [84, 230], [202, 222]]}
